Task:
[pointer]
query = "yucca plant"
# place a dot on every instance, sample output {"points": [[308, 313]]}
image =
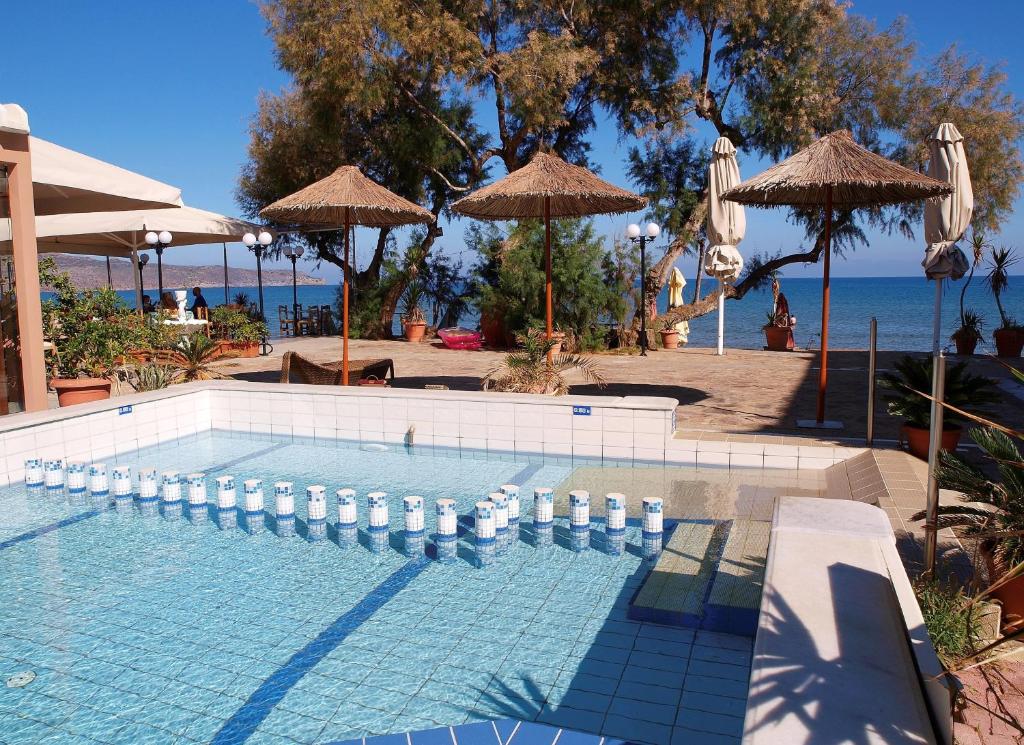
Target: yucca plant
{"points": [[191, 358], [527, 370], [998, 280], [152, 377]]}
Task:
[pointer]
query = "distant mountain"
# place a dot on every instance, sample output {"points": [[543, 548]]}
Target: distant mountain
{"points": [[89, 272]]}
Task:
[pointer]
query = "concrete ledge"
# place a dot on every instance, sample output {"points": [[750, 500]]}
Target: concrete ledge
{"points": [[832, 662]]}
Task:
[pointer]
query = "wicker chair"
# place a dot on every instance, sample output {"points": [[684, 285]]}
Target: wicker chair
{"points": [[329, 373]]}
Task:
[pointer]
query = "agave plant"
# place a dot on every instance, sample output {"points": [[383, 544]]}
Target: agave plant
{"points": [[527, 370], [998, 281], [191, 358], [152, 377]]}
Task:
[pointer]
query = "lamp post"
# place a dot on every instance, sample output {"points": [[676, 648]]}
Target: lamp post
{"points": [[143, 260], [258, 245], [294, 254], [159, 241], [634, 234]]}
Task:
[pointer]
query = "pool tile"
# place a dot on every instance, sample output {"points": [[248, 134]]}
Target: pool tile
{"points": [[704, 721], [635, 730], [645, 710], [685, 736]]}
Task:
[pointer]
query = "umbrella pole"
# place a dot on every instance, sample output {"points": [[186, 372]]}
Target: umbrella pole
{"points": [[721, 317], [344, 309], [547, 273], [823, 368], [110, 279], [937, 317], [226, 289]]}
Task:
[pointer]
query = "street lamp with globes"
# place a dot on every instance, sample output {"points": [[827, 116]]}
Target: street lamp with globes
{"points": [[294, 253], [258, 245], [634, 234], [159, 241]]}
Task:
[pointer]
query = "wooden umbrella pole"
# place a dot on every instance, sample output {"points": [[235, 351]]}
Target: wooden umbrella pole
{"points": [[344, 309], [823, 368], [547, 273]]}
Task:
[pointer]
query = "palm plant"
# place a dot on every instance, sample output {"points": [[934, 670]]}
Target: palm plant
{"points": [[971, 325], [914, 375], [979, 245], [191, 358], [998, 280], [527, 370]]}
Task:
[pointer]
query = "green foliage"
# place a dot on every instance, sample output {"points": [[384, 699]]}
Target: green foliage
{"points": [[998, 281], [971, 325], [963, 389], [509, 278], [672, 173], [412, 312], [527, 370], [91, 330], [241, 299], [192, 357], [444, 290], [150, 377], [236, 325], [951, 618]]}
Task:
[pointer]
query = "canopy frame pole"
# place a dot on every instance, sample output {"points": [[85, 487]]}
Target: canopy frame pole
{"points": [[547, 276], [344, 306], [872, 380], [160, 271], [825, 293], [721, 317], [226, 288], [937, 317], [110, 279], [137, 274], [931, 520]]}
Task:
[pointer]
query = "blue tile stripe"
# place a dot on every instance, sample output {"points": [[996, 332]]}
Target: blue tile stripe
{"points": [[496, 732], [244, 722]]}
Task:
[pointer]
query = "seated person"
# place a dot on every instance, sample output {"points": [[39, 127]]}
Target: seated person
{"points": [[167, 302], [199, 301], [147, 304]]}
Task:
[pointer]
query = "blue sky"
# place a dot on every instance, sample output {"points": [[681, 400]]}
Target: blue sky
{"points": [[168, 90]]}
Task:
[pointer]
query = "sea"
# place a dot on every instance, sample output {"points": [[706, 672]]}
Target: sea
{"points": [[902, 306]]}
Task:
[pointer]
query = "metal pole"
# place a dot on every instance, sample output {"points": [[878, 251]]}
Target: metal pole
{"points": [[823, 369], [136, 264], [110, 279], [344, 305], [549, 312], [721, 317], [931, 526], [643, 296], [295, 297], [872, 366], [226, 301], [258, 250], [160, 269], [937, 317]]}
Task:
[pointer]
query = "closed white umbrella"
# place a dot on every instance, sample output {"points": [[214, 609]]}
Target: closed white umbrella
{"points": [[946, 218], [726, 227], [676, 283]]}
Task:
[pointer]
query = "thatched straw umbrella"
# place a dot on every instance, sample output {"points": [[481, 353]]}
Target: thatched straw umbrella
{"points": [[343, 199], [548, 187], [834, 172]]}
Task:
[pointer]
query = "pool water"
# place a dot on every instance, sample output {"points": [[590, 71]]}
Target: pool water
{"points": [[144, 629]]}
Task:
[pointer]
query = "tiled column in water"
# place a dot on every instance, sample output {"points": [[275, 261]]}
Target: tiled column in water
{"points": [[99, 484], [447, 530], [615, 523], [171, 494], [53, 474], [485, 533], [377, 502], [76, 477], [512, 492], [123, 491], [579, 519], [284, 508], [34, 474], [253, 491], [227, 517], [348, 516], [543, 517], [653, 526], [500, 502], [316, 512], [414, 536], [197, 507], [148, 496]]}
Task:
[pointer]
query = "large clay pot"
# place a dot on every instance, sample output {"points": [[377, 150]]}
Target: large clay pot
{"points": [[71, 391], [965, 342], [917, 439], [558, 337], [1009, 342], [1009, 595], [415, 330], [779, 338], [492, 326], [670, 338]]}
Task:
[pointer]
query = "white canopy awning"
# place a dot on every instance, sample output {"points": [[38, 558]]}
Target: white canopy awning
{"points": [[67, 181], [118, 233]]}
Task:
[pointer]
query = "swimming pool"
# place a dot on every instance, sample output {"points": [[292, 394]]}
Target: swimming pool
{"points": [[151, 629]]}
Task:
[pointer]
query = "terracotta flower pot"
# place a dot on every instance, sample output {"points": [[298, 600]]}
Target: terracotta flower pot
{"points": [[670, 338], [71, 391], [917, 439], [779, 338], [965, 342], [1009, 595], [492, 325], [1009, 342], [415, 330]]}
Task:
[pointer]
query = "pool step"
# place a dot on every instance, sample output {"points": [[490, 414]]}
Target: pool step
{"points": [[500, 731]]}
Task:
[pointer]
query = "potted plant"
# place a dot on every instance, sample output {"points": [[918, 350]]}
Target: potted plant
{"points": [[967, 336], [1009, 337], [527, 370], [237, 333], [913, 375], [992, 511], [669, 336], [92, 332], [414, 324], [778, 330]]}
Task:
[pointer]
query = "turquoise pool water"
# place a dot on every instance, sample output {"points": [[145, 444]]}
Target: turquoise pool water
{"points": [[143, 629]]}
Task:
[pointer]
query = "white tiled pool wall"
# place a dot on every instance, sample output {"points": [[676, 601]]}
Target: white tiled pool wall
{"points": [[626, 431]]}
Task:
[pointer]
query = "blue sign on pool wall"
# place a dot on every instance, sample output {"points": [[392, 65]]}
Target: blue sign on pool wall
{"points": [[122, 410], [581, 411]]}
